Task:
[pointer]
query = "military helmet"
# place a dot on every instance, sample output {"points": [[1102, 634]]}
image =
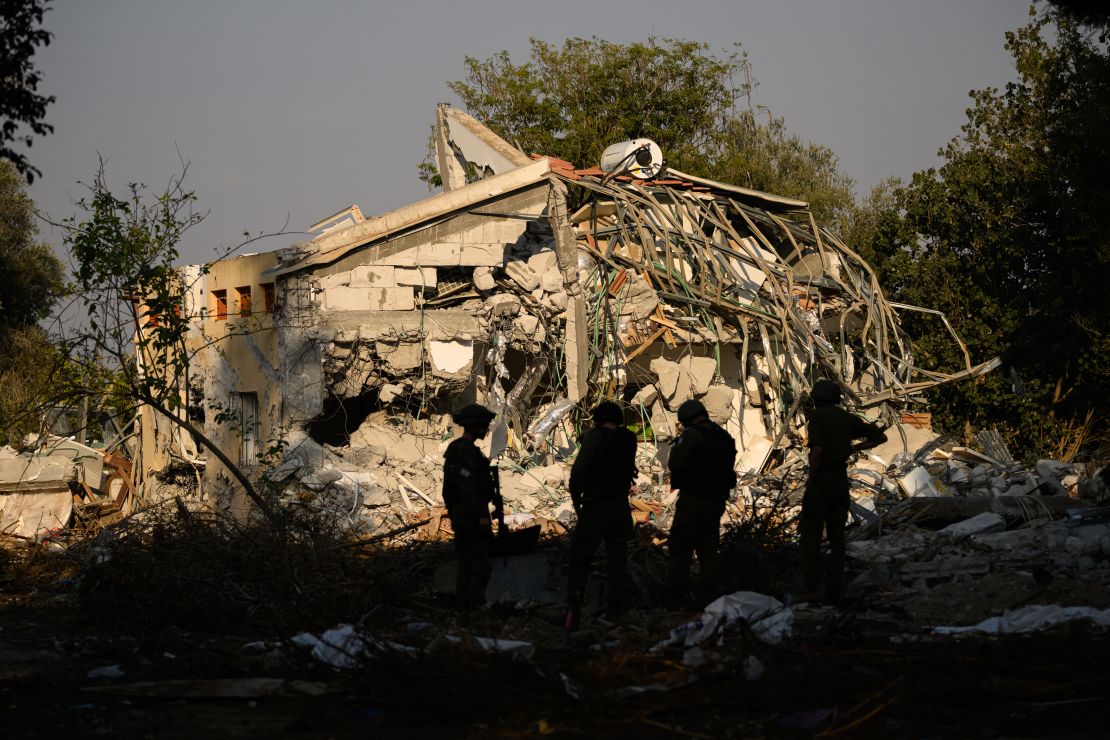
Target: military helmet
{"points": [[608, 412], [826, 391], [691, 410], [473, 414]]}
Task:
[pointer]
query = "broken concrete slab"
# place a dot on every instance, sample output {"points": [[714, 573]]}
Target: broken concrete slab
{"points": [[523, 275], [702, 370], [321, 479], [361, 299], [394, 446], [1051, 474], [502, 305], [636, 298], [373, 276], [718, 401], [543, 261], [481, 255], [417, 277], [482, 277], [530, 328], [552, 282], [646, 396], [945, 567], [557, 300], [389, 392], [983, 523], [668, 374], [401, 356], [24, 474]]}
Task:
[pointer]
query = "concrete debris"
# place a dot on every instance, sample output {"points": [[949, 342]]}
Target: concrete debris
{"points": [[483, 278], [766, 616], [1033, 619], [347, 353], [523, 275], [503, 305], [645, 397], [988, 521], [58, 484], [718, 401]]}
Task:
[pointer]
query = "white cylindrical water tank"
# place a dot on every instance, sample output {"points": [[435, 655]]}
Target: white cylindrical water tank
{"points": [[641, 158]]}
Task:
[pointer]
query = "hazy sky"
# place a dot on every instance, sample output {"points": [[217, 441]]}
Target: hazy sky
{"points": [[286, 108]]}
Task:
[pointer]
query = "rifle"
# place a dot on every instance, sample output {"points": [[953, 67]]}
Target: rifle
{"points": [[499, 510]]}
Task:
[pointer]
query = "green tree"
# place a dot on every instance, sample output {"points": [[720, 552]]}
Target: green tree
{"points": [[1009, 237], [21, 107], [32, 279], [572, 101], [31, 276], [124, 249], [767, 157]]}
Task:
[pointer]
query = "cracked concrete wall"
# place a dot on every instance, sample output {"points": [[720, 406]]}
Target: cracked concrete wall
{"points": [[236, 354]]}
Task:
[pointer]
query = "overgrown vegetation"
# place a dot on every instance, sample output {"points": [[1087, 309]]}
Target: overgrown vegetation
{"points": [[131, 343], [208, 573], [573, 101], [22, 108], [32, 279], [1009, 238]]}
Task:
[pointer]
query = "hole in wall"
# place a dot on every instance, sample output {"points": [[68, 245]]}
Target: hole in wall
{"points": [[340, 417]]}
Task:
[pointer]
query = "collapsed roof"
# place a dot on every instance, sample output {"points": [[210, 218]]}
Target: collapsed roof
{"points": [[651, 291]]}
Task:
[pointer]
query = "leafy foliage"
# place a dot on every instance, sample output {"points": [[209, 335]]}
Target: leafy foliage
{"points": [[767, 157], [1009, 238], [573, 101], [135, 301], [32, 279], [21, 107], [31, 276]]}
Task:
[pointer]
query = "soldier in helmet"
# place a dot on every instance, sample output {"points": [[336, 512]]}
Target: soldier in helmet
{"points": [[832, 431], [467, 493], [600, 479], [702, 470]]}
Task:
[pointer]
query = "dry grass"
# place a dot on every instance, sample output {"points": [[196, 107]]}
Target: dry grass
{"points": [[207, 573]]}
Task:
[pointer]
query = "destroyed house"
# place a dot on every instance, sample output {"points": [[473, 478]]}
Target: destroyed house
{"points": [[537, 289]]}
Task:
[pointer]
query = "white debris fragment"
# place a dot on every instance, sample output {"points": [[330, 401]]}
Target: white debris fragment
{"points": [[988, 521], [768, 618], [1032, 619], [515, 648]]}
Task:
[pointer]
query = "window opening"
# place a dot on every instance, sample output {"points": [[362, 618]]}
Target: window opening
{"points": [[244, 300], [220, 299], [268, 297], [248, 419]]}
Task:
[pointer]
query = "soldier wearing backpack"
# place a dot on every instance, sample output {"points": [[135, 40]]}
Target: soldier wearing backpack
{"points": [[600, 480], [702, 471]]}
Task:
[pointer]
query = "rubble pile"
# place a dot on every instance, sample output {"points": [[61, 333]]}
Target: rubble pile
{"points": [[537, 289], [60, 486]]}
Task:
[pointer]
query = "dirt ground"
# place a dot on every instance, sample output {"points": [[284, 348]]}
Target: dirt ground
{"points": [[870, 668]]}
